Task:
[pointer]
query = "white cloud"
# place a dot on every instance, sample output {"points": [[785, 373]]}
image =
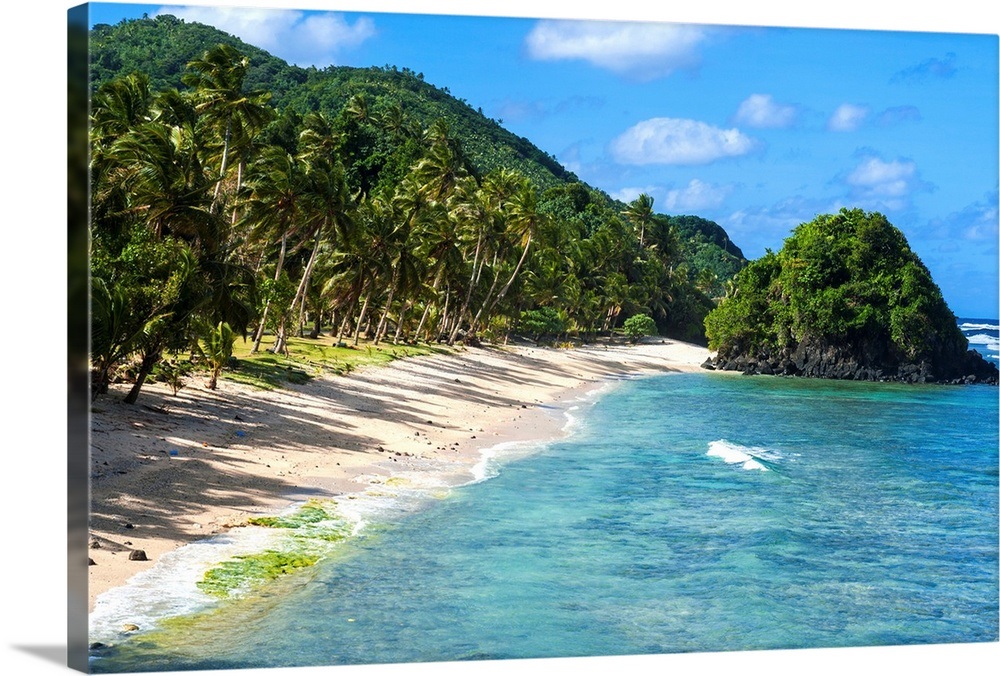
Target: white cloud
{"points": [[847, 117], [757, 228], [977, 222], [629, 194], [641, 50], [761, 111], [876, 183], [890, 179], [666, 140], [696, 195], [517, 111], [301, 38]]}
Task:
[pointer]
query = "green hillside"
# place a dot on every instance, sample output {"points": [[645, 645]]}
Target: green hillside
{"points": [[234, 194], [161, 48]]}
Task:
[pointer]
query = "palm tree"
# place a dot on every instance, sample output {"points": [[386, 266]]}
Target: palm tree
{"points": [[331, 206], [443, 167], [162, 247], [640, 214], [277, 208], [498, 188], [706, 281], [217, 347], [118, 106], [439, 240], [478, 224], [217, 79], [357, 108], [166, 181], [523, 220], [181, 297]]}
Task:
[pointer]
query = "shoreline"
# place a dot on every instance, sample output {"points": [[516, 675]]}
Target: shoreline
{"points": [[173, 470]]}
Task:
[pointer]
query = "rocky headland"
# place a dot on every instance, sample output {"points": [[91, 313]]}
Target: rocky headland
{"points": [[845, 298]]}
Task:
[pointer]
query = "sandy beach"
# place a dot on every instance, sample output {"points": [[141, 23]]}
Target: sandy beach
{"points": [[171, 470]]}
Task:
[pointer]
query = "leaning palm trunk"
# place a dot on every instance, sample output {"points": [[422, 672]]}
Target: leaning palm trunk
{"points": [[239, 184], [388, 304], [399, 324], [300, 293], [442, 325], [267, 305], [520, 263], [380, 327], [468, 294], [427, 307], [489, 294], [361, 319], [281, 339], [225, 162], [352, 303], [149, 359], [343, 325]]}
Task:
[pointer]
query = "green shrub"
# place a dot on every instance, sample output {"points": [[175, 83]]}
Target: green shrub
{"points": [[544, 321], [638, 326]]}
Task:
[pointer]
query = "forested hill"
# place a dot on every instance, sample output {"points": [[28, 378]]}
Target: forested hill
{"points": [[161, 48], [232, 193]]}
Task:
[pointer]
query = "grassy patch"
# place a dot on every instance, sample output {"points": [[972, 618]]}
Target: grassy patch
{"points": [[309, 358], [306, 359]]}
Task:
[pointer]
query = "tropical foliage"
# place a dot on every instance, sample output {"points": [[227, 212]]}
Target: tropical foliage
{"points": [[845, 278], [216, 216]]}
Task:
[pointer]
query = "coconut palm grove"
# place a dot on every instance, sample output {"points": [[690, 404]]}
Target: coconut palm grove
{"points": [[237, 198]]}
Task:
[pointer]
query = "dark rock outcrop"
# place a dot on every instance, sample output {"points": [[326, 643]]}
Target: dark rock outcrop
{"points": [[866, 362]]}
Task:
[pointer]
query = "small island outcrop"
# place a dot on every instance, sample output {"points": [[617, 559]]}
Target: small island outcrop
{"points": [[845, 298]]}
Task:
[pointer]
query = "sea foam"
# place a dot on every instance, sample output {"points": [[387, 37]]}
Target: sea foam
{"points": [[991, 343], [170, 587], [746, 456], [971, 326]]}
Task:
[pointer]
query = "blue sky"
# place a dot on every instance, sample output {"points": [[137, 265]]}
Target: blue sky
{"points": [[754, 127]]}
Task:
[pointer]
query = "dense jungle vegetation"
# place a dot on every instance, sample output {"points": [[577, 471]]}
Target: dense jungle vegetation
{"points": [[234, 195]]}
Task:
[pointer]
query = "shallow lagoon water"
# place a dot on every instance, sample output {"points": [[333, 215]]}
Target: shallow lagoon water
{"points": [[686, 512]]}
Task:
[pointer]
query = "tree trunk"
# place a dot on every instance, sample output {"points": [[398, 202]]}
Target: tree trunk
{"points": [[214, 380], [388, 304], [489, 294], [399, 324], [427, 307], [300, 293], [343, 323], [281, 339], [317, 326], [361, 319], [443, 323], [277, 276], [506, 287], [240, 168], [225, 162], [468, 295], [149, 360]]}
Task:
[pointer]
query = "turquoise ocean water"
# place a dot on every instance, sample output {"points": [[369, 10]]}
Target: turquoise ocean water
{"points": [[685, 512]]}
